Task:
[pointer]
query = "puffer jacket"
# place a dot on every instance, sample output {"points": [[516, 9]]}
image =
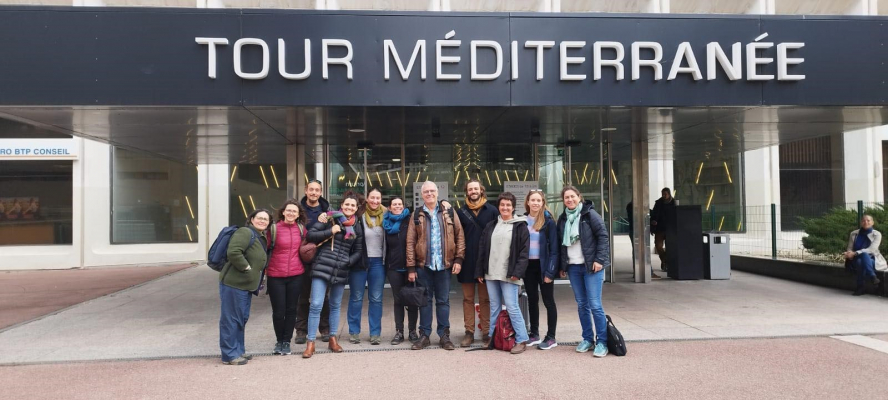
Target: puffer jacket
{"points": [[337, 256], [234, 273], [593, 238], [453, 245], [284, 261]]}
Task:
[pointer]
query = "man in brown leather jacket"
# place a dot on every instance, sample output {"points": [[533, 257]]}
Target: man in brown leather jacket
{"points": [[435, 251]]}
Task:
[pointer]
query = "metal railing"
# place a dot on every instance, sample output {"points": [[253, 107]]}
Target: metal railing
{"points": [[806, 232]]}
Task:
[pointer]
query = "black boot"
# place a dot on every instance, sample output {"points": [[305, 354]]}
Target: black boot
{"points": [[398, 339], [858, 292]]}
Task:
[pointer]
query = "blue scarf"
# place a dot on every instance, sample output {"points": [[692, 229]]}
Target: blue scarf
{"points": [[392, 223], [863, 240]]}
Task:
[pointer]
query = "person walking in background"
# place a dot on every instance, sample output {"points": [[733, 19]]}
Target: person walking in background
{"points": [[370, 273], [340, 243], [863, 254], [315, 208], [502, 263], [435, 250], [285, 273], [542, 268], [474, 215], [239, 278], [584, 256], [395, 223], [662, 220]]}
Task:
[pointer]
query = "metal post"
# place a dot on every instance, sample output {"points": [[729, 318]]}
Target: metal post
{"points": [[773, 231], [569, 165], [859, 210], [366, 173], [712, 219], [610, 204]]}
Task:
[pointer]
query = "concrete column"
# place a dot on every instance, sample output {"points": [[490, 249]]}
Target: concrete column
{"points": [[640, 203], [295, 170], [862, 165]]}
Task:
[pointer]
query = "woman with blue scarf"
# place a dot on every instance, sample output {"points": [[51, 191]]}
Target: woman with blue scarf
{"points": [[395, 223], [863, 254], [584, 256]]}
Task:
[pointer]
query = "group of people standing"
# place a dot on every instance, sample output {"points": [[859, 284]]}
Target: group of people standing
{"points": [[492, 248]]}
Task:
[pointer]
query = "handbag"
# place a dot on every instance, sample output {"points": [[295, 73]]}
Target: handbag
{"points": [[414, 296], [308, 250], [615, 343]]}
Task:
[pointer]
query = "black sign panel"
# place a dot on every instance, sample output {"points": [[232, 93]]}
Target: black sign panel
{"points": [[139, 56]]}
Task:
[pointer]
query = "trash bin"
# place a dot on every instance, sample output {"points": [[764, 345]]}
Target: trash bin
{"points": [[716, 255]]}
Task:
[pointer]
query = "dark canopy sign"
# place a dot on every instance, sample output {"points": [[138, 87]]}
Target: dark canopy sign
{"points": [[280, 58]]}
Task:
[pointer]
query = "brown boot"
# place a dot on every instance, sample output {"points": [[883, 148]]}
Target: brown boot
{"points": [[486, 340], [334, 345], [519, 348], [445, 342], [422, 343], [309, 349], [467, 339]]}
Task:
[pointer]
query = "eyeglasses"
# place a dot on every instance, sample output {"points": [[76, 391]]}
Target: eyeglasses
{"points": [[318, 181], [536, 190], [291, 211], [261, 219]]}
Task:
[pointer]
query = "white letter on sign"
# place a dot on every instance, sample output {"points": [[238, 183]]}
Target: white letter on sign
{"points": [[326, 60], [282, 61], [389, 51], [211, 51], [498, 51], [237, 58]]}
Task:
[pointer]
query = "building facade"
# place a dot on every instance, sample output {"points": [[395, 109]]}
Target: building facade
{"points": [[129, 190]]}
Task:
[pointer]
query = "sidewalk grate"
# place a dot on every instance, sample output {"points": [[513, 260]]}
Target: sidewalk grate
{"points": [[404, 348]]}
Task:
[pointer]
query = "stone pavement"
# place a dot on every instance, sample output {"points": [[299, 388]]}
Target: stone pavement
{"points": [[791, 368], [25, 295], [177, 315]]}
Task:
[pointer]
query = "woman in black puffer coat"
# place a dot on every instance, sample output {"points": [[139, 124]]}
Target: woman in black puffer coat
{"points": [[335, 257]]}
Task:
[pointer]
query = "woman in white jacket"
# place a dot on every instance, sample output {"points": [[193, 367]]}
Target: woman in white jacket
{"points": [[863, 253]]}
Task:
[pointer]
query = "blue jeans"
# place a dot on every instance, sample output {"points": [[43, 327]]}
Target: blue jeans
{"points": [[375, 276], [232, 321], [865, 268], [587, 291], [437, 284], [506, 292], [316, 303]]}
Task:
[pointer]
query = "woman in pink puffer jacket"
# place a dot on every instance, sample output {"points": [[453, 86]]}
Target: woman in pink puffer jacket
{"points": [[285, 273]]}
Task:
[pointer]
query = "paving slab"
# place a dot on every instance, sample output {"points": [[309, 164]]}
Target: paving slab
{"points": [[25, 295], [177, 315]]}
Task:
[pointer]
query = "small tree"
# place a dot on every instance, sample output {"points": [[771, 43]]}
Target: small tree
{"points": [[828, 234]]}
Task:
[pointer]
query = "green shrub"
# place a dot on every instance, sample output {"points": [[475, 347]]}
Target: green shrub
{"points": [[828, 234]]}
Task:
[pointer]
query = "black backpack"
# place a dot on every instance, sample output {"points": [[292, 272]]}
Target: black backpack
{"points": [[615, 343]]}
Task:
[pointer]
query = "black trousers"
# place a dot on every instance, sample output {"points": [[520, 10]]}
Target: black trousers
{"points": [[397, 280], [534, 284], [302, 307], [284, 295]]}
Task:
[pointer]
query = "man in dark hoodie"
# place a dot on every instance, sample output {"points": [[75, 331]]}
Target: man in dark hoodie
{"points": [[474, 216], [315, 208], [662, 222]]}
